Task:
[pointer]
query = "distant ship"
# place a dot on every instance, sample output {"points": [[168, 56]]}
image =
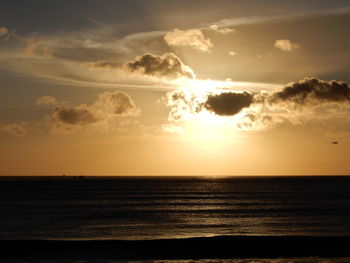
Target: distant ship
{"points": [[335, 142]]}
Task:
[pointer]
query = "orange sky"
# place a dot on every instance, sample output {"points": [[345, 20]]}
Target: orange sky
{"points": [[235, 88]]}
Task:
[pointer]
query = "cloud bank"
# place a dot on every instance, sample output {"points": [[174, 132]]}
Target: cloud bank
{"points": [[308, 101], [314, 90]]}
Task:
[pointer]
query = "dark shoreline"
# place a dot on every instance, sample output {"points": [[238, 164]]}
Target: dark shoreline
{"points": [[189, 248]]}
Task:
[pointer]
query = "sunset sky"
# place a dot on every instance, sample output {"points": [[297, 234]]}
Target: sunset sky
{"points": [[165, 87]]}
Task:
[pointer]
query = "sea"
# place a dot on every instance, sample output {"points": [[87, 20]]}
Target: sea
{"points": [[149, 208]]}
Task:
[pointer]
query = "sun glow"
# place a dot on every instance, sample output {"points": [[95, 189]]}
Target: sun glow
{"points": [[211, 131], [191, 118], [188, 103]]}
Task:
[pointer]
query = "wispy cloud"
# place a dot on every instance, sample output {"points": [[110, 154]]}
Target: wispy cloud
{"points": [[238, 21], [225, 30], [189, 38], [69, 58], [59, 57]]}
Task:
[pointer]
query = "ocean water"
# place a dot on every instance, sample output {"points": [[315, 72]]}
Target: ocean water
{"points": [[151, 208], [237, 260]]}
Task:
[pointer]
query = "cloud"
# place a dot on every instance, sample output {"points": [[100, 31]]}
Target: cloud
{"points": [[35, 48], [3, 31], [257, 121], [183, 104], [188, 38], [228, 103], [107, 43], [79, 115], [116, 104], [286, 45], [310, 102], [232, 53], [218, 29], [237, 21], [30, 46], [66, 119], [100, 64], [168, 65], [69, 57], [46, 100], [188, 104], [314, 90], [19, 129]]}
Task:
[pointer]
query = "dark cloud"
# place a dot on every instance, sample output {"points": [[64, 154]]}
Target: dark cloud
{"points": [[74, 115], [227, 104], [310, 90], [169, 65], [307, 102]]}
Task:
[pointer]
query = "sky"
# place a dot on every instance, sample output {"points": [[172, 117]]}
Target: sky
{"points": [[154, 87]]}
